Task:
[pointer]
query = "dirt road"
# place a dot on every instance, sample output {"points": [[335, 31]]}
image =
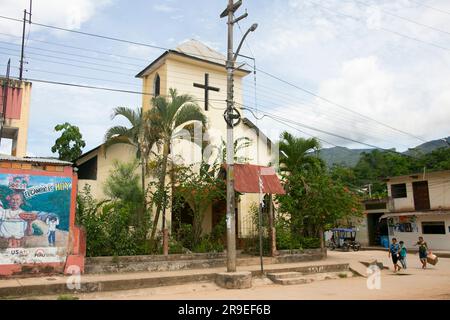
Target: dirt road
{"points": [[413, 283]]}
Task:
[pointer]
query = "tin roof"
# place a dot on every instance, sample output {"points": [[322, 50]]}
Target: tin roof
{"points": [[5, 157], [247, 179]]}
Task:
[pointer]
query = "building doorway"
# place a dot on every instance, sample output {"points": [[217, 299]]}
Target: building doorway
{"points": [[421, 195], [376, 228]]}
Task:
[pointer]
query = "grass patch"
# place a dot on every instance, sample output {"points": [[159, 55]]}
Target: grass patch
{"points": [[342, 275], [67, 297]]}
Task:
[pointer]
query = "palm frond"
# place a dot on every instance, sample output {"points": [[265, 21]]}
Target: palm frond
{"points": [[189, 112], [133, 116]]}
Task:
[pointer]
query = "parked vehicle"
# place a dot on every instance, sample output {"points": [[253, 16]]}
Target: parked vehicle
{"points": [[343, 239]]}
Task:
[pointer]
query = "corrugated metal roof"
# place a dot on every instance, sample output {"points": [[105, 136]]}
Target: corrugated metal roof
{"points": [[193, 49], [198, 49], [247, 179], [5, 157]]}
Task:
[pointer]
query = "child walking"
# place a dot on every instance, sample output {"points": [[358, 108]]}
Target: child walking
{"points": [[403, 253]]}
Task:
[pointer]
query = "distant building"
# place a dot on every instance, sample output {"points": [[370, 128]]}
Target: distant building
{"points": [[419, 205], [370, 229], [14, 114]]}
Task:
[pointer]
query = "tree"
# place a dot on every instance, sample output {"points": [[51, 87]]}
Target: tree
{"points": [[239, 145], [314, 200], [299, 154], [122, 183], [170, 114], [315, 203], [140, 134], [70, 144], [199, 189]]}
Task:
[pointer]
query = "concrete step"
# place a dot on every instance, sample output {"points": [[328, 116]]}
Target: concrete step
{"points": [[295, 278], [128, 281], [283, 275]]}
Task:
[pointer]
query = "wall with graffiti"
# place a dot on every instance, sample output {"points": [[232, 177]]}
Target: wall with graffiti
{"points": [[34, 218]]}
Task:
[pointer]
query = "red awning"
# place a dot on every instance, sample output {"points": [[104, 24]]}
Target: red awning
{"points": [[247, 179]]}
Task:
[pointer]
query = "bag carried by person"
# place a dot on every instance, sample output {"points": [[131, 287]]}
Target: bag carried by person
{"points": [[432, 259]]}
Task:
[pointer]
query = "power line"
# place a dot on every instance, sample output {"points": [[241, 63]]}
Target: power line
{"points": [[100, 88], [275, 117], [381, 28], [430, 7], [71, 54], [405, 19], [69, 59], [158, 47], [79, 48], [337, 104], [114, 39]]}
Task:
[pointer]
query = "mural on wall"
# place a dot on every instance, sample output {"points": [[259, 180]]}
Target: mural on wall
{"points": [[403, 224], [34, 218]]}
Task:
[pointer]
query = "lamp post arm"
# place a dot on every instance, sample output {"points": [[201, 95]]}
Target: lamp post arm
{"points": [[240, 45]]}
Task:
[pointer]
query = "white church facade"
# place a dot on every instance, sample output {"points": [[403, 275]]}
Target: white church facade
{"points": [[194, 69]]}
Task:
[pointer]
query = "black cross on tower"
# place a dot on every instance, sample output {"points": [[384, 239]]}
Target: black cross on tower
{"points": [[206, 87]]}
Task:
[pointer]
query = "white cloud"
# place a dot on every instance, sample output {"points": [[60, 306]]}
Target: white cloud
{"points": [[164, 8], [67, 14], [396, 80]]}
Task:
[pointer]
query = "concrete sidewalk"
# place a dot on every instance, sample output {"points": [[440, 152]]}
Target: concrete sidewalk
{"points": [[54, 285]]}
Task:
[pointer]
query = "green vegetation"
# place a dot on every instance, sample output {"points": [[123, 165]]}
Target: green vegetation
{"points": [[170, 115], [314, 201], [67, 297], [70, 144], [376, 165], [117, 226]]}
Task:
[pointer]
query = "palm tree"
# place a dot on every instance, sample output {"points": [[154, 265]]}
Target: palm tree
{"points": [[171, 114], [140, 134], [296, 154], [239, 144]]}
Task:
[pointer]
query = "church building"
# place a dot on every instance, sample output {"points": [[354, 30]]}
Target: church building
{"points": [[195, 69]]}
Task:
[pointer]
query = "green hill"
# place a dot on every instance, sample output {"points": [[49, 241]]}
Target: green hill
{"points": [[350, 157]]}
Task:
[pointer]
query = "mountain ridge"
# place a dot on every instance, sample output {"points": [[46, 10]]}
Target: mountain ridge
{"points": [[350, 157]]}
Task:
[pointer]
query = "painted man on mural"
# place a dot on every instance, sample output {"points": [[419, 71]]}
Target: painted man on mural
{"points": [[12, 226]]}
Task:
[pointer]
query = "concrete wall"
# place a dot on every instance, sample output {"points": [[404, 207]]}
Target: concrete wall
{"points": [[20, 140], [438, 185], [435, 241]]}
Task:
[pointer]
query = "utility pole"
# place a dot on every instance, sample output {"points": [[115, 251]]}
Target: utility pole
{"points": [[231, 114], [25, 14]]}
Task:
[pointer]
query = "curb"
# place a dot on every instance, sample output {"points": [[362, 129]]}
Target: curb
{"points": [[93, 285]]}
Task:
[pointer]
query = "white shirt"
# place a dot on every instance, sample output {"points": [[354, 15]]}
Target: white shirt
{"points": [[52, 224]]}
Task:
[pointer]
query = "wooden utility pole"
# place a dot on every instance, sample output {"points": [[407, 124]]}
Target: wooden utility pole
{"points": [[22, 55]]}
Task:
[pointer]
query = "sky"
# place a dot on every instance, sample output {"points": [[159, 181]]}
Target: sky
{"points": [[378, 70]]}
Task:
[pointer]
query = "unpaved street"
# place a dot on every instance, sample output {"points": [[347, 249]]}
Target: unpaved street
{"points": [[414, 283]]}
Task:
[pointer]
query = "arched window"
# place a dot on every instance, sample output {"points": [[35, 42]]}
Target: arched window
{"points": [[157, 86]]}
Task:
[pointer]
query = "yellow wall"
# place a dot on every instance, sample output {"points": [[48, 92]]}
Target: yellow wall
{"points": [[121, 152]]}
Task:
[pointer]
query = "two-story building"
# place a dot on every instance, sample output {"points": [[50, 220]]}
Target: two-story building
{"points": [[419, 205]]}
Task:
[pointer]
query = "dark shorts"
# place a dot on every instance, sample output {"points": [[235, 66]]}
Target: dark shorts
{"points": [[395, 258], [423, 255]]}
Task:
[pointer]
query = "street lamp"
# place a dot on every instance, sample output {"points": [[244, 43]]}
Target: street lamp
{"points": [[251, 29]]}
